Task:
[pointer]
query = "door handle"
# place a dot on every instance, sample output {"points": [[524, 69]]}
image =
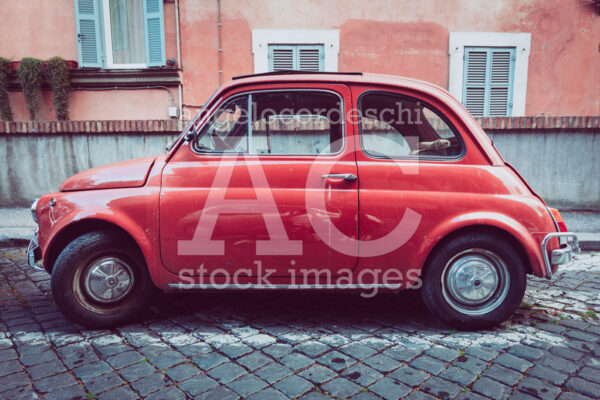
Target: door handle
{"points": [[346, 177]]}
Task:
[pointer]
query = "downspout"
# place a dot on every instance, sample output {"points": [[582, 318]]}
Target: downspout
{"points": [[177, 37], [220, 48]]}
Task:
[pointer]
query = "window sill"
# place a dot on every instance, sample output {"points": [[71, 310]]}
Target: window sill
{"points": [[106, 78]]}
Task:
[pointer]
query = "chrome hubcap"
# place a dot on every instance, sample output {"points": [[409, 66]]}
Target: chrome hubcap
{"points": [[475, 281], [108, 280]]}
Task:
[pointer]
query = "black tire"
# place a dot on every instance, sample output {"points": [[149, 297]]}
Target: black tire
{"points": [[73, 272], [450, 292]]}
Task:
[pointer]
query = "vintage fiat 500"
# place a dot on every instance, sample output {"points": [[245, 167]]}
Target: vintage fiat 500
{"points": [[298, 181]]}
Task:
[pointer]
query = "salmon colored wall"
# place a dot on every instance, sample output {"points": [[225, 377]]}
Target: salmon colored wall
{"points": [[101, 105], [402, 37], [38, 28], [170, 31], [199, 46], [43, 29], [409, 38]]}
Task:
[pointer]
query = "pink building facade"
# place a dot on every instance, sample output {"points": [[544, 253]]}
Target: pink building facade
{"points": [[161, 59]]}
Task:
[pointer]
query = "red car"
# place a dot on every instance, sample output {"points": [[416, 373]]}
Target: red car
{"points": [[305, 181]]}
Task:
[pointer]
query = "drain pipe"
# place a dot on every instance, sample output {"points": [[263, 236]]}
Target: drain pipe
{"points": [[220, 48], [178, 38], [177, 35]]}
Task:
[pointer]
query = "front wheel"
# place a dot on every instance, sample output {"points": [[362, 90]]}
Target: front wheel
{"points": [[474, 281], [100, 280]]}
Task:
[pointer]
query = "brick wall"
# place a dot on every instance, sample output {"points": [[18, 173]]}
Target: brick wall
{"points": [[173, 126], [169, 126], [588, 122], [558, 156]]}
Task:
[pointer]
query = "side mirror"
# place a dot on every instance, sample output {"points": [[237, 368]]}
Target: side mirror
{"points": [[190, 135]]}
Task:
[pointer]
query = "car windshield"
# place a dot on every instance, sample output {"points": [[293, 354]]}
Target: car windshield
{"points": [[193, 120]]}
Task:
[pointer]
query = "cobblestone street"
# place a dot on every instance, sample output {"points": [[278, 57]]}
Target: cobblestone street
{"points": [[301, 345]]}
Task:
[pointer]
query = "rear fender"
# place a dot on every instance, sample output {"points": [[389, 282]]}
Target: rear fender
{"points": [[490, 219]]}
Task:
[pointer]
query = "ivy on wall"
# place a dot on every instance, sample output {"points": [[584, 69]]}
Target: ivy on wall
{"points": [[31, 75], [5, 110], [57, 76]]}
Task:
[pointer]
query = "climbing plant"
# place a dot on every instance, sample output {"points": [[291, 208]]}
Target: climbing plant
{"points": [[31, 74], [5, 110], [57, 76]]}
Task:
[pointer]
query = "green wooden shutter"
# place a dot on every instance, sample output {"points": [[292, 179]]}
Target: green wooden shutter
{"points": [[281, 57], [296, 57], [87, 21], [474, 81], [310, 58], [154, 32], [501, 82], [488, 81]]}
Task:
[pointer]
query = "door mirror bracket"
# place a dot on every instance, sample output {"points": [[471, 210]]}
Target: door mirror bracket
{"points": [[191, 134]]}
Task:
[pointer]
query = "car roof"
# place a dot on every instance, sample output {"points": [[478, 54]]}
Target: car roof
{"points": [[337, 77]]}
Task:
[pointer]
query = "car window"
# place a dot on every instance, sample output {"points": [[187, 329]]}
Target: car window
{"points": [[297, 122], [294, 122], [377, 136], [228, 130], [397, 126]]}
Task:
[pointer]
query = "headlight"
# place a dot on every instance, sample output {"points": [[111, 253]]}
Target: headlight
{"points": [[32, 208]]}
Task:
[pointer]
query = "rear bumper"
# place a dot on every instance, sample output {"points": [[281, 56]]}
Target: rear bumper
{"points": [[562, 255]]}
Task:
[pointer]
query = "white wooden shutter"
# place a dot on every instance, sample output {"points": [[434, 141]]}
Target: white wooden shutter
{"points": [[87, 22]]}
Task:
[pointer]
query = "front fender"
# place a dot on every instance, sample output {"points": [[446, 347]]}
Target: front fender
{"points": [[132, 210], [500, 221]]}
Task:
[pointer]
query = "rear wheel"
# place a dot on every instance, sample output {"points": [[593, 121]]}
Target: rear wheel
{"points": [[474, 281], [100, 280]]}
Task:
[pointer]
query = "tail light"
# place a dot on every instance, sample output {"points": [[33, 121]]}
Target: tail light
{"points": [[562, 227]]}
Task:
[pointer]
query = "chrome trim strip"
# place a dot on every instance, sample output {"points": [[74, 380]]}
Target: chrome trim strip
{"points": [[417, 157], [224, 101], [564, 254], [33, 209], [259, 286]]}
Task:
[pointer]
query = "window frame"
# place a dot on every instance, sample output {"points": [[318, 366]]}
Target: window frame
{"points": [[415, 157], [262, 38], [97, 12], [202, 129], [520, 41], [107, 39]]}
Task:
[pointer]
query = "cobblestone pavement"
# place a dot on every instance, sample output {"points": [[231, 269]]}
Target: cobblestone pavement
{"points": [[309, 346]]}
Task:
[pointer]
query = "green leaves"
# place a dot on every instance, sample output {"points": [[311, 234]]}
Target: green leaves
{"points": [[57, 76], [5, 110], [31, 75]]}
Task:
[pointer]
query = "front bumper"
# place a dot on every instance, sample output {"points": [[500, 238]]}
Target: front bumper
{"points": [[34, 253], [562, 255]]}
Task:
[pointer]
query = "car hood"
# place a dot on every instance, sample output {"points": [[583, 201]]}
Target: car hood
{"points": [[131, 173]]}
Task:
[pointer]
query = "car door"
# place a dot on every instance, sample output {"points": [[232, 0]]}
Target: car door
{"points": [[270, 177], [409, 156]]}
